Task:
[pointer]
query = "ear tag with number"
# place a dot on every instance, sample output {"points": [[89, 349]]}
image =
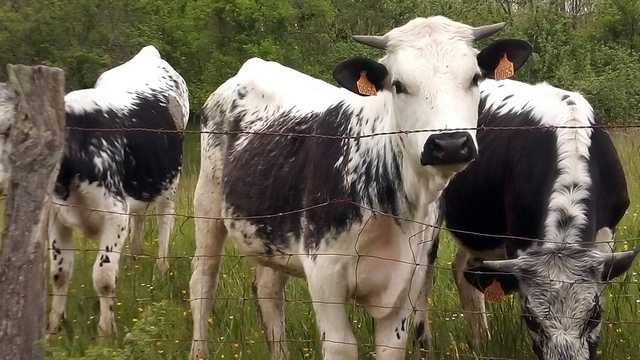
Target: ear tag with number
{"points": [[365, 87], [494, 292], [504, 69]]}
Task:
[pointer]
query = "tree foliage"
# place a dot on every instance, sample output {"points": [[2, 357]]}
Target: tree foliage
{"points": [[592, 46]]}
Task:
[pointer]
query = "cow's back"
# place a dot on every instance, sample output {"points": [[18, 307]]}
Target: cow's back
{"points": [[507, 190], [274, 138], [124, 134], [120, 150]]}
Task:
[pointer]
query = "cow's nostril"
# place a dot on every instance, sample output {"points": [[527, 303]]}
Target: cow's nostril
{"points": [[448, 148]]}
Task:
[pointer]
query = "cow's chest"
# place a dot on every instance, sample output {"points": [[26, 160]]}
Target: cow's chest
{"points": [[389, 263], [382, 262], [283, 255]]}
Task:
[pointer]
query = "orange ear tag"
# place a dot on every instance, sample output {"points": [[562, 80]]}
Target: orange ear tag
{"points": [[494, 292], [365, 87], [504, 69]]}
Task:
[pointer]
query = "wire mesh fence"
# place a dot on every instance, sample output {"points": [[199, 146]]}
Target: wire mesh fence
{"points": [[154, 317]]}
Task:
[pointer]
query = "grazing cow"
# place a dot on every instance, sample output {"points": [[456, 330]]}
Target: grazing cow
{"points": [[6, 119], [105, 176], [552, 196], [328, 201]]}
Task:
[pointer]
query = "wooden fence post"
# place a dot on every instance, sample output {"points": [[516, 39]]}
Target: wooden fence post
{"points": [[37, 136]]}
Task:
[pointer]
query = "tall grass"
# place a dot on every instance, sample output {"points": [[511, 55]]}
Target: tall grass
{"points": [[154, 320]]}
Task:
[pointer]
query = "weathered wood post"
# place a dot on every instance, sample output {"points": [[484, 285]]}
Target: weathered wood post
{"points": [[37, 137]]}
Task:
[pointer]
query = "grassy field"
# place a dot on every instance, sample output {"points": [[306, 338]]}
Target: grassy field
{"points": [[154, 319]]}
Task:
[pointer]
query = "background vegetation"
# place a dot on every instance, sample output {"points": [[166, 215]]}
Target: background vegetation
{"points": [[588, 45], [592, 46]]}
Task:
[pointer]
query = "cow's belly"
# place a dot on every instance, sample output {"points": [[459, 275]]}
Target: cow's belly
{"points": [[74, 212], [283, 257], [477, 257], [383, 264]]}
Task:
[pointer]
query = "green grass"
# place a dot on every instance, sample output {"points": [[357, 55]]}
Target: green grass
{"points": [[154, 320]]}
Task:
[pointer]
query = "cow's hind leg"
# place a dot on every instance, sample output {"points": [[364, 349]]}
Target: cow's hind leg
{"points": [[105, 269], [471, 299], [137, 229], [210, 238], [61, 265], [269, 287], [329, 294], [165, 216]]}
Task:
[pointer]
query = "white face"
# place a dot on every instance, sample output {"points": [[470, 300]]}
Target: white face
{"points": [[433, 80], [563, 321], [561, 303]]}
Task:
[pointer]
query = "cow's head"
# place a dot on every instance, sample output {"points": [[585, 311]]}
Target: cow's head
{"points": [[6, 119], [429, 78], [560, 291]]}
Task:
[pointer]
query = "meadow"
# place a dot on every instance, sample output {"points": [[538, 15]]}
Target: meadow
{"points": [[154, 319]]}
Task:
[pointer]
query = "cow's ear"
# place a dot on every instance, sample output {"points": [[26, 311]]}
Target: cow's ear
{"points": [[618, 263], [361, 75], [481, 277], [502, 58]]}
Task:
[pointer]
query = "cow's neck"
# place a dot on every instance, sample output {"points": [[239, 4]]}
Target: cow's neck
{"points": [[375, 163], [571, 192]]}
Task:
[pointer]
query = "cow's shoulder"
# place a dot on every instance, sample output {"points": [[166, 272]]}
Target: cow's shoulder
{"points": [[259, 84], [540, 103]]}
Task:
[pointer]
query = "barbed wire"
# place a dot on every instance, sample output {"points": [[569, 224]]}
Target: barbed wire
{"points": [[264, 342], [361, 136], [239, 257], [249, 257], [327, 203], [430, 309]]}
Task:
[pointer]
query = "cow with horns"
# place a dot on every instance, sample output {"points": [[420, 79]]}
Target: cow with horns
{"points": [[536, 214], [123, 153], [328, 199]]}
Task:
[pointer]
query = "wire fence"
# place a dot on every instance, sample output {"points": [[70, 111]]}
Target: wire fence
{"points": [[445, 311]]}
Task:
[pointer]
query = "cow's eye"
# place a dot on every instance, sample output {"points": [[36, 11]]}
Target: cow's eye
{"points": [[475, 80], [400, 89]]}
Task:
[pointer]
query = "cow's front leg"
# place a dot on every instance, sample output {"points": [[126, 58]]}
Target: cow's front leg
{"points": [[205, 266], [391, 334], [269, 286], [423, 339], [327, 280], [471, 299], [61, 265], [105, 269]]}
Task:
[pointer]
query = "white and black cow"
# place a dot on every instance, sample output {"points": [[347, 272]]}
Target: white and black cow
{"points": [[115, 165], [326, 200], [562, 184], [6, 119]]}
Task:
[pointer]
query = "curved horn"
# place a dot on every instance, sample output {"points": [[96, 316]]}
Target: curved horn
{"points": [[621, 255], [378, 42], [615, 264], [484, 32], [506, 266]]}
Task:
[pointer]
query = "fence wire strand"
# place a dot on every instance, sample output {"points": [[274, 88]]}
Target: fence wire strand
{"points": [[498, 310]]}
